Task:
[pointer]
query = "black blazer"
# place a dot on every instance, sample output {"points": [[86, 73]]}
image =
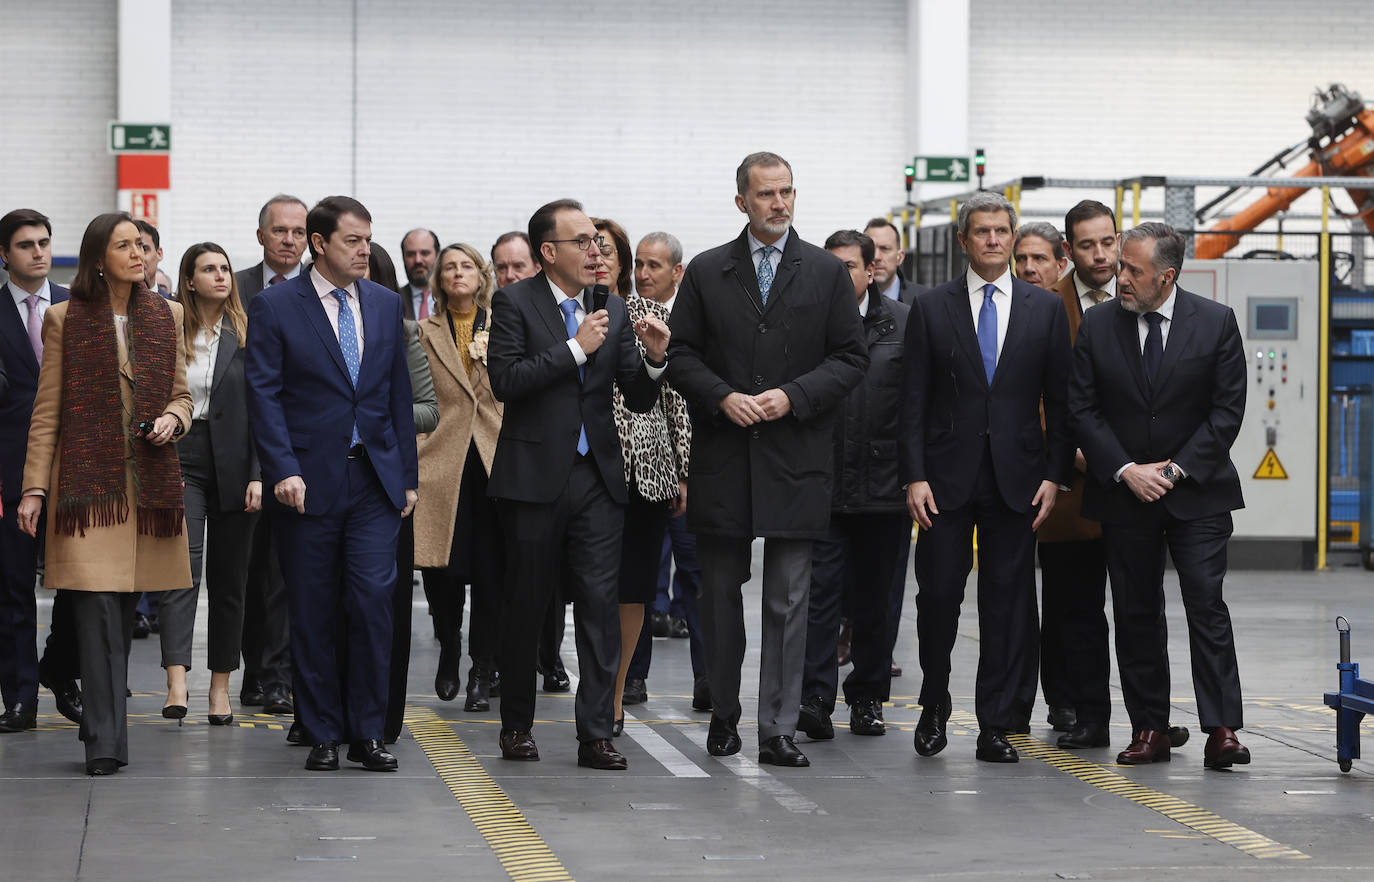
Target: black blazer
{"points": [[1190, 414], [949, 411], [20, 388], [249, 283], [231, 439], [533, 372]]}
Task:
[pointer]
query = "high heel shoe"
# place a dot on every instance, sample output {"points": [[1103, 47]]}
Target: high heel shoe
{"points": [[221, 719], [174, 712], [617, 727]]}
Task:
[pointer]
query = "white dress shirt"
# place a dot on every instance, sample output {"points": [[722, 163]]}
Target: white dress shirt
{"points": [[1166, 309], [1086, 301], [417, 298], [668, 304], [581, 313], [774, 256], [200, 369], [1001, 298], [325, 289], [268, 273], [863, 306]]}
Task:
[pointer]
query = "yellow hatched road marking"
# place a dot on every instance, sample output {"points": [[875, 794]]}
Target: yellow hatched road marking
{"points": [[522, 853]]}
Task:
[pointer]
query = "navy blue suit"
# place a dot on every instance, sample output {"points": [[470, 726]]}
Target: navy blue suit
{"points": [[19, 551], [339, 557]]}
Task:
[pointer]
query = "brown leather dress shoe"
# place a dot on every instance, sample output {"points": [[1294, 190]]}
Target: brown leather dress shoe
{"points": [[1147, 746], [1224, 749], [600, 754], [518, 746]]}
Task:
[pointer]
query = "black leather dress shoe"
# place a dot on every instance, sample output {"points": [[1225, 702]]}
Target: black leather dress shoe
{"points": [[701, 694], [930, 728], [866, 717], [556, 680], [18, 718], [479, 690], [814, 720], [679, 628], [250, 694], [600, 754], [102, 766], [636, 691], [296, 734], [618, 727], [446, 678], [276, 699], [372, 754], [494, 684], [993, 747], [781, 750], [1178, 736], [517, 745], [722, 739], [660, 624], [142, 627], [1062, 719], [66, 696], [324, 757], [1084, 736]]}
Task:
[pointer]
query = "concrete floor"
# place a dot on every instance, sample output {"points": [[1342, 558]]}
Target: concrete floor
{"points": [[201, 801]]}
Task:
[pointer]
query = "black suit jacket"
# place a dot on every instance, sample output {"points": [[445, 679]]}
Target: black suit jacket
{"points": [[231, 439], [1190, 414], [533, 372], [909, 291], [20, 388], [950, 412]]}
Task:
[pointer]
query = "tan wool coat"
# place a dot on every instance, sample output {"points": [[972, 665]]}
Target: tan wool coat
{"points": [[468, 413], [117, 557]]}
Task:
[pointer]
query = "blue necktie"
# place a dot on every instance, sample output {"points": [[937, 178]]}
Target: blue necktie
{"points": [[569, 308], [1154, 345], [987, 331], [765, 273], [348, 342]]}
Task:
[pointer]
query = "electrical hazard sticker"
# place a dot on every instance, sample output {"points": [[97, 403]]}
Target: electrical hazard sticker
{"points": [[1270, 468]]}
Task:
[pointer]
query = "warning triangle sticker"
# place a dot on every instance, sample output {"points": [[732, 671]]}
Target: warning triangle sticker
{"points": [[1270, 468]]}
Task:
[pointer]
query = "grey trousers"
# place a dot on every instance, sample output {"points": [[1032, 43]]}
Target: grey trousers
{"points": [[724, 563], [104, 630]]}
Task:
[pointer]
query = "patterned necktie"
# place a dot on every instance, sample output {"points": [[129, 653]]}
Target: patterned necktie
{"points": [[1097, 295], [765, 273], [348, 342], [35, 326], [569, 308], [276, 280], [987, 331], [1154, 345]]}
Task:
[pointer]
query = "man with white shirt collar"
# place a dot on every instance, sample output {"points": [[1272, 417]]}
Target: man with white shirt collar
{"points": [[26, 251], [983, 351], [281, 233], [419, 250]]}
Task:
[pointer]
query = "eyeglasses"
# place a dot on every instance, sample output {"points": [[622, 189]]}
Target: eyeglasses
{"points": [[584, 243]]}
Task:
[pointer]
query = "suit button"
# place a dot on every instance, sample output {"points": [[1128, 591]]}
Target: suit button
{"points": [[763, 329], [758, 379], [754, 434]]}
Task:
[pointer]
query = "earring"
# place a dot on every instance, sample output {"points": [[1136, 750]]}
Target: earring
{"points": [[100, 273]]}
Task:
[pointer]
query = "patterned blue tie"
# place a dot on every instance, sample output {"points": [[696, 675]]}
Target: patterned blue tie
{"points": [[987, 331], [765, 273], [348, 342], [569, 308]]}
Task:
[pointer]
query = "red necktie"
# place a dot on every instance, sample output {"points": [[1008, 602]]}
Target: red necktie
{"points": [[424, 305]]}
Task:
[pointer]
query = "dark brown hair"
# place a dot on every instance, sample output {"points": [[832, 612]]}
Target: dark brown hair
{"points": [[621, 242], [21, 217], [1085, 210], [90, 283]]}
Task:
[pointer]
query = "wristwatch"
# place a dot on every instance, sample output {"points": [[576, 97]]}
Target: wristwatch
{"points": [[1171, 473]]}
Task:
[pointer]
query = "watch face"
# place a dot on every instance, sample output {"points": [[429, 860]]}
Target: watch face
{"points": [[1170, 473]]}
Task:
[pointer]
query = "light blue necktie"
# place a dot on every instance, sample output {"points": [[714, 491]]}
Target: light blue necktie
{"points": [[348, 342], [765, 273], [987, 331], [569, 308]]}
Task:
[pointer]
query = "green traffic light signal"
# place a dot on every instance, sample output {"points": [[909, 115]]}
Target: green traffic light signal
{"points": [[910, 171]]}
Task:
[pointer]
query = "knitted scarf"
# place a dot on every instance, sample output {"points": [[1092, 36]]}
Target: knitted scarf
{"points": [[91, 488]]}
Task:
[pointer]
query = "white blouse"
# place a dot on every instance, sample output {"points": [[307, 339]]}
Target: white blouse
{"points": [[200, 370]]}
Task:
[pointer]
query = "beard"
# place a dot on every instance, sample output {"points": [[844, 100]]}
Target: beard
{"points": [[418, 276], [771, 228]]}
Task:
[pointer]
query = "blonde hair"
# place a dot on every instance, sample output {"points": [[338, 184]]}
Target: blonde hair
{"points": [[484, 290]]}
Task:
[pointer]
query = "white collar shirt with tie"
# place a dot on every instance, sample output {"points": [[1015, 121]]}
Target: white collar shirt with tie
{"points": [[325, 289], [422, 302], [1001, 299], [1165, 309], [774, 256], [21, 298], [268, 274], [580, 311], [1085, 299]]}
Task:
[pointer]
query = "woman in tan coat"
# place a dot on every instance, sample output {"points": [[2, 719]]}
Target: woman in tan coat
{"points": [[111, 395], [458, 540]]}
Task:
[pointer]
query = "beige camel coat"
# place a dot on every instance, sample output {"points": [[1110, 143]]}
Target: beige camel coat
{"points": [[113, 558], [468, 413]]}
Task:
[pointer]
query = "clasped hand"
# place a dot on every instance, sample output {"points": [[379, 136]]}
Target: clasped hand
{"points": [[746, 410]]}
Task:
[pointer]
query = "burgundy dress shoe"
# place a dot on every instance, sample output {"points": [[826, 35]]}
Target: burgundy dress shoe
{"points": [[518, 746], [1147, 746], [1224, 749], [600, 754]]}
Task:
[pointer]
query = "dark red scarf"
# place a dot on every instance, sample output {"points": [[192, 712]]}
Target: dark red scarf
{"points": [[91, 489]]}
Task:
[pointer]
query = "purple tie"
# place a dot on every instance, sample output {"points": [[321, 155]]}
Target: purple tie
{"points": [[277, 279], [35, 327]]}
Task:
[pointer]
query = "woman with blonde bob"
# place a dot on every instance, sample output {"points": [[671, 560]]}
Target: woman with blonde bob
{"points": [[458, 540]]}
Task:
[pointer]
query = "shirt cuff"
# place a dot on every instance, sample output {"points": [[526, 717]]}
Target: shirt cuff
{"points": [[578, 355], [1121, 471], [654, 372]]}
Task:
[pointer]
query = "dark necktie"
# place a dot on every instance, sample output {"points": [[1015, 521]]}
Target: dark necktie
{"points": [[987, 331], [276, 280], [1154, 345]]}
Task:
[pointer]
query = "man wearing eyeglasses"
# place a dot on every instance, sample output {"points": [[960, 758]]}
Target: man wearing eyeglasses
{"points": [[556, 346]]}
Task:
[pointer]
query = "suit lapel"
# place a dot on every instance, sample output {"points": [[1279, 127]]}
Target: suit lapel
{"points": [[961, 318], [1180, 333], [1128, 336], [1016, 326], [740, 264], [541, 295], [440, 334], [224, 354], [15, 331], [373, 319], [314, 313]]}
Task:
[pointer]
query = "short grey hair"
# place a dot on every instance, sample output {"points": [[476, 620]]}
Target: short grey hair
{"points": [[668, 240], [984, 200], [1170, 245], [1046, 231], [280, 198], [762, 158]]}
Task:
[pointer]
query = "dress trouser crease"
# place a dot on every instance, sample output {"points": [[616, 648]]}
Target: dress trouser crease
{"points": [[105, 627]]}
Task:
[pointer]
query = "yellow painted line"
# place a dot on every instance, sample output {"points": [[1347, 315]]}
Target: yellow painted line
{"points": [[1181, 811], [522, 853]]}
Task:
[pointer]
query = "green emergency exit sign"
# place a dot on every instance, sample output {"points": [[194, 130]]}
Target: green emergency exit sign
{"points": [[140, 137], [944, 169]]}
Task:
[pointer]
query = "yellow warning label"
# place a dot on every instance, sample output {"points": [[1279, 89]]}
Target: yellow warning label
{"points": [[1271, 468]]}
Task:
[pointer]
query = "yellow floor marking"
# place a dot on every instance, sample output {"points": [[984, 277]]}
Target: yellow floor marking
{"points": [[522, 853], [1181, 811]]}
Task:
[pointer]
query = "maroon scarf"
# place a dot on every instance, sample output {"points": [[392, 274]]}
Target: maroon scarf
{"points": [[91, 489]]}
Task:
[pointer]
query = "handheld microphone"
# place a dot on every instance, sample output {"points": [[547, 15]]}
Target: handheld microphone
{"points": [[600, 294]]}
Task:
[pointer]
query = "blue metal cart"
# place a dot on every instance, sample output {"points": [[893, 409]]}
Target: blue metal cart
{"points": [[1355, 699]]}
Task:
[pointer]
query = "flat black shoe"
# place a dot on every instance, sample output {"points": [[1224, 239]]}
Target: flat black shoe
{"points": [[780, 750], [557, 680], [661, 624], [102, 766], [1084, 736], [866, 717], [814, 721], [478, 691], [993, 747], [636, 691], [295, 736], [221, 719], [679, 628], [142, 628], [276, 699], [617, 727], [446, 682], [1062, 719], [701, 694], [373, 755], [930, 728], [19, 718], [324, 757], [1178, 736], [723, 738], [66, 696]]}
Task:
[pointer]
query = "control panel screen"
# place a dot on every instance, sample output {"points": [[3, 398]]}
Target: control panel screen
{"points": [[1273, 318]]}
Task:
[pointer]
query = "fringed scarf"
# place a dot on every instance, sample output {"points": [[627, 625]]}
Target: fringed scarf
{"points": [[91, 489]]}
